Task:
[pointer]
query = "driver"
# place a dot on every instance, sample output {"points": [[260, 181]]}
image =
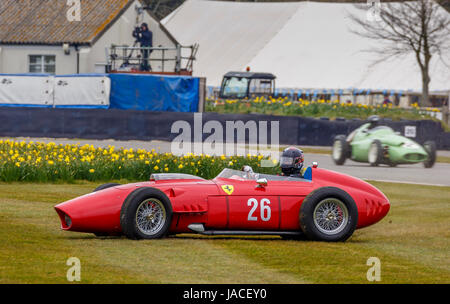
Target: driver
{"points": [[373, 121], [291, 162], [249, 174]]}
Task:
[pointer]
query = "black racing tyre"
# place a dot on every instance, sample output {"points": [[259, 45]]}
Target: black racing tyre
{"points": [[328, 214], [340, 150], [375, 156], [105, 186], [146, 214], [430, 147]]}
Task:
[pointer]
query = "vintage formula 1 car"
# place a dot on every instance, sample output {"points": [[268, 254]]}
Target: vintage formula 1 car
{"points": [[323, 206], [381, 145]]}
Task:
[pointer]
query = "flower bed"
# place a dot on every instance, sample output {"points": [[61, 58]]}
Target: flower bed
{"points": [[319, 108], [40, 162]]}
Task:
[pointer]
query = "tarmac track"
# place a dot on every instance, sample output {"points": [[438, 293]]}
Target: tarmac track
{"points": [[439, 175]]}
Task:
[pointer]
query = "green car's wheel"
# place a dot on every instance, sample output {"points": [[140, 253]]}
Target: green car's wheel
{"points": [[340, 150], [375, 153], [430, 147]]}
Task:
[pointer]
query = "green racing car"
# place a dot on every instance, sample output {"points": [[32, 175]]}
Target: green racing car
{"points": [[377, 144]]}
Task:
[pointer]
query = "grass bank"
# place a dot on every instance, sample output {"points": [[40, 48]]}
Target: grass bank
{"points": [[412, 243]]}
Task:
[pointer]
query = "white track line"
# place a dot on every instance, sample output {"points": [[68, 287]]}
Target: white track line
{"points": [[404, 182]]}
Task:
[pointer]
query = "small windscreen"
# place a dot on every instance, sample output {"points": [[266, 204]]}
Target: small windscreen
{"points": [[170, 176], [382, 128], [235, 87]]}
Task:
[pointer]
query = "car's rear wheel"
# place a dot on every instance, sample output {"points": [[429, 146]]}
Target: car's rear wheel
{"points": [[105, 186], [430, 147], [375, 155], [340, 150], [328, 214], [146, 214]]}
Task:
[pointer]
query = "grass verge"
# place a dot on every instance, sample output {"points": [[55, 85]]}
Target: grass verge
{"points": [[412, 243]]}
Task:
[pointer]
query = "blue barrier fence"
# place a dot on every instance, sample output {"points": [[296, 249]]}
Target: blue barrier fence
{"points": [[143, 92], [154, 93]]}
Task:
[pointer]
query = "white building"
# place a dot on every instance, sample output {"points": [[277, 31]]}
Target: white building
{"points": [[36, 38]]}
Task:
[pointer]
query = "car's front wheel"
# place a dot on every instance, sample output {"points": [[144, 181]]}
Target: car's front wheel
{"points": [[146, 214], [328, 214], [340, 150], [430, 147]]}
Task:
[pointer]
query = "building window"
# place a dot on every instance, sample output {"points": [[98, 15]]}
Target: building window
{"points": [[43, 64]]}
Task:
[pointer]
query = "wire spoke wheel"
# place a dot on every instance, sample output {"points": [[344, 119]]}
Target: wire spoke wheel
{"points": [[150, 216], [330, 216]]}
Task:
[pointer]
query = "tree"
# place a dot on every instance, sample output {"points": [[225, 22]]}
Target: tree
{"points": [[421, 27]]}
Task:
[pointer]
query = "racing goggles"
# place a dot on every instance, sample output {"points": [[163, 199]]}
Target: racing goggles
{"points": [[291, 161]]}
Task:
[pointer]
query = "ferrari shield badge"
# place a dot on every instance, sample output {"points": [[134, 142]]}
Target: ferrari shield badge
{"points": [[228, 189]]}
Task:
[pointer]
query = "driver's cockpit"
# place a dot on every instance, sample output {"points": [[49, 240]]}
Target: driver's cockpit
{"points": [[250, 175], [364, 130]]}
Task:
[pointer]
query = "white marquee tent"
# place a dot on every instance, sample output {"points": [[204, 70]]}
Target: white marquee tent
{"points": [[305, 44]]}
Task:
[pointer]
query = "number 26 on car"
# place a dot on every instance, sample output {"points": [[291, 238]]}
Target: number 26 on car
{"points": [[253, 212]]}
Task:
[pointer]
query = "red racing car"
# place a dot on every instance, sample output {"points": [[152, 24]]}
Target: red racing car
{"points": [[323, 206]]}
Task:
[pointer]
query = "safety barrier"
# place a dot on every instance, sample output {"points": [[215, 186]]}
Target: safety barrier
{"points": [[155, 92], [42, 90], [115, 91]]}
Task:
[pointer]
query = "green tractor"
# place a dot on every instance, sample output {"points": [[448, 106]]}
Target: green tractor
{"points": [[377, 144]]}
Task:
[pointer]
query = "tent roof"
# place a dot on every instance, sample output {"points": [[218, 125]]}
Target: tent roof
{"points": [[304, 44]]}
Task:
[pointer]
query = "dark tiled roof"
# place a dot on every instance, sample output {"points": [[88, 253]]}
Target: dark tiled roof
{"points": [[45, 22]]}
